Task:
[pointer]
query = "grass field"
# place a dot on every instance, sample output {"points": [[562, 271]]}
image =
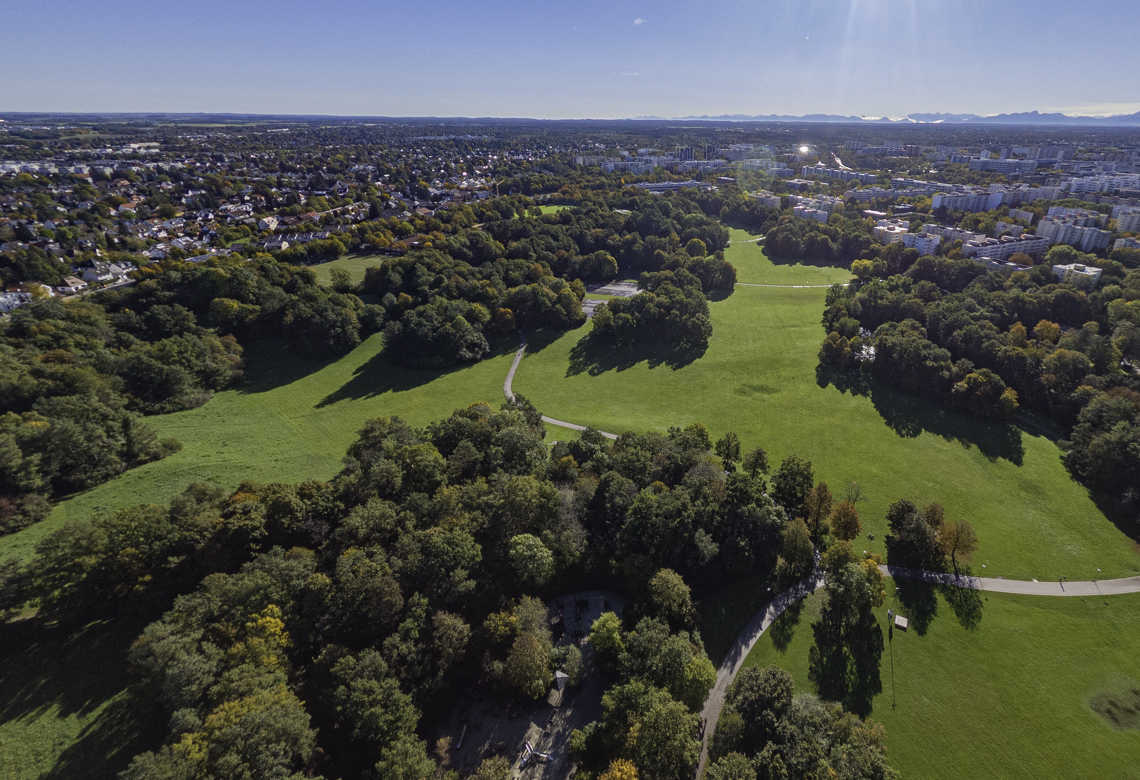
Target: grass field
{"points": [[292, 421], [65, 709], [758, 378], [354, 264], [1010, 699], [553, 209], [753, 266]]}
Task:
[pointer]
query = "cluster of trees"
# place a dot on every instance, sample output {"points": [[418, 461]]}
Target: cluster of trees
{"points": [[439, 309], [766, 731], [986, 343], [650, 715], [521, 270], [255, 298], [841, 241], [673, 308], [309, 625]]}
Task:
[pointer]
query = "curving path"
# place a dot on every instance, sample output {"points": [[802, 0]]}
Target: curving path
{"points": [[763, 619], [509, 393], [751, 634]]}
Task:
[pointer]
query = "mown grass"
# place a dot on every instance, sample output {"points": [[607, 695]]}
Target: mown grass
{"points": [[758, 378], [1008, 699], [66, 710], [754, 266], [292, 420], [356, 264]]}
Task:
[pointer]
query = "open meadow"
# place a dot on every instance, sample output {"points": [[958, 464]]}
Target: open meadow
{"points": [[291, 421], [355, 264], [1013, 698], [759, 378]]}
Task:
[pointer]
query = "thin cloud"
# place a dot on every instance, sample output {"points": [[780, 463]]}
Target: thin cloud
{"points": [[628, 73], [639, 21]]}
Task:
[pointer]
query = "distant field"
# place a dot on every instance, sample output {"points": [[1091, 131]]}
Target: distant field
{"points": [[292, 421], [354, 264], [553, 209], [753, 266], [758, 378], [1010, 699]]}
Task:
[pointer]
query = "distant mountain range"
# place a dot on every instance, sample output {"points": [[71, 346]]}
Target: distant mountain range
{"points": [[1023, 118]]}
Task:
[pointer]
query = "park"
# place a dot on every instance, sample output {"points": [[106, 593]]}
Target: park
{"points": [[1008, 690]]}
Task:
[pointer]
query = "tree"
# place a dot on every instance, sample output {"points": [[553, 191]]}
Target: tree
{"points": [[761, 696], [670, 597], [817, 509], [494, 768], [845, 521], [666, 745], [957, 538], [533, 562], [756, 462], [606, 637], [791, 484], [796, 549], [734, 766], [342, 280], [728, 450], [620, 769], [528, 667], [1047, 331]]}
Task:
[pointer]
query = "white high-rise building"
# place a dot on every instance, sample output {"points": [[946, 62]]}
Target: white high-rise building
{"points": [[925, 243], [1064, 231]]}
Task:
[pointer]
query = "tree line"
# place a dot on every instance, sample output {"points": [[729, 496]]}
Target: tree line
{"points": [[987, 344]]}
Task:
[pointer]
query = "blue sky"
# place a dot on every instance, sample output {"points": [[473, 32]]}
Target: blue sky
{"points": [[571, 59]]}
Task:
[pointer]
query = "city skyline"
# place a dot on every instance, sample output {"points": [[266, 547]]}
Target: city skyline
{"points": [[582, 60]]}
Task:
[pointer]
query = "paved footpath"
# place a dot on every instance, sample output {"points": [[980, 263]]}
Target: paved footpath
{"points": [[760, 623], [747, 639], [509, 393]]}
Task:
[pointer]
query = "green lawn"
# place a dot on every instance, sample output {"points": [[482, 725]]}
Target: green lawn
{"points": [[65, 708], [758, 378], [354, 264], [293, 420], [753, 266], [1010, 699], [553, 209]]}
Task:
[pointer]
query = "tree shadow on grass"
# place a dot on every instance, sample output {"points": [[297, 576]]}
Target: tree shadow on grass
{"points": [[55, 673], [783, 628], [269, 365], [380, 375], [966, 602], [1125, 516], [908, 416], [593, 357], [809, 261], [847, 670], [920, 602]]}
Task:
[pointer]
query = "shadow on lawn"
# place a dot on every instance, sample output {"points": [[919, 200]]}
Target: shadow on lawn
{"points": [[845, 668], [269, 365], [593, 357], [75, 672], [908, 416], [379, 375]]}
